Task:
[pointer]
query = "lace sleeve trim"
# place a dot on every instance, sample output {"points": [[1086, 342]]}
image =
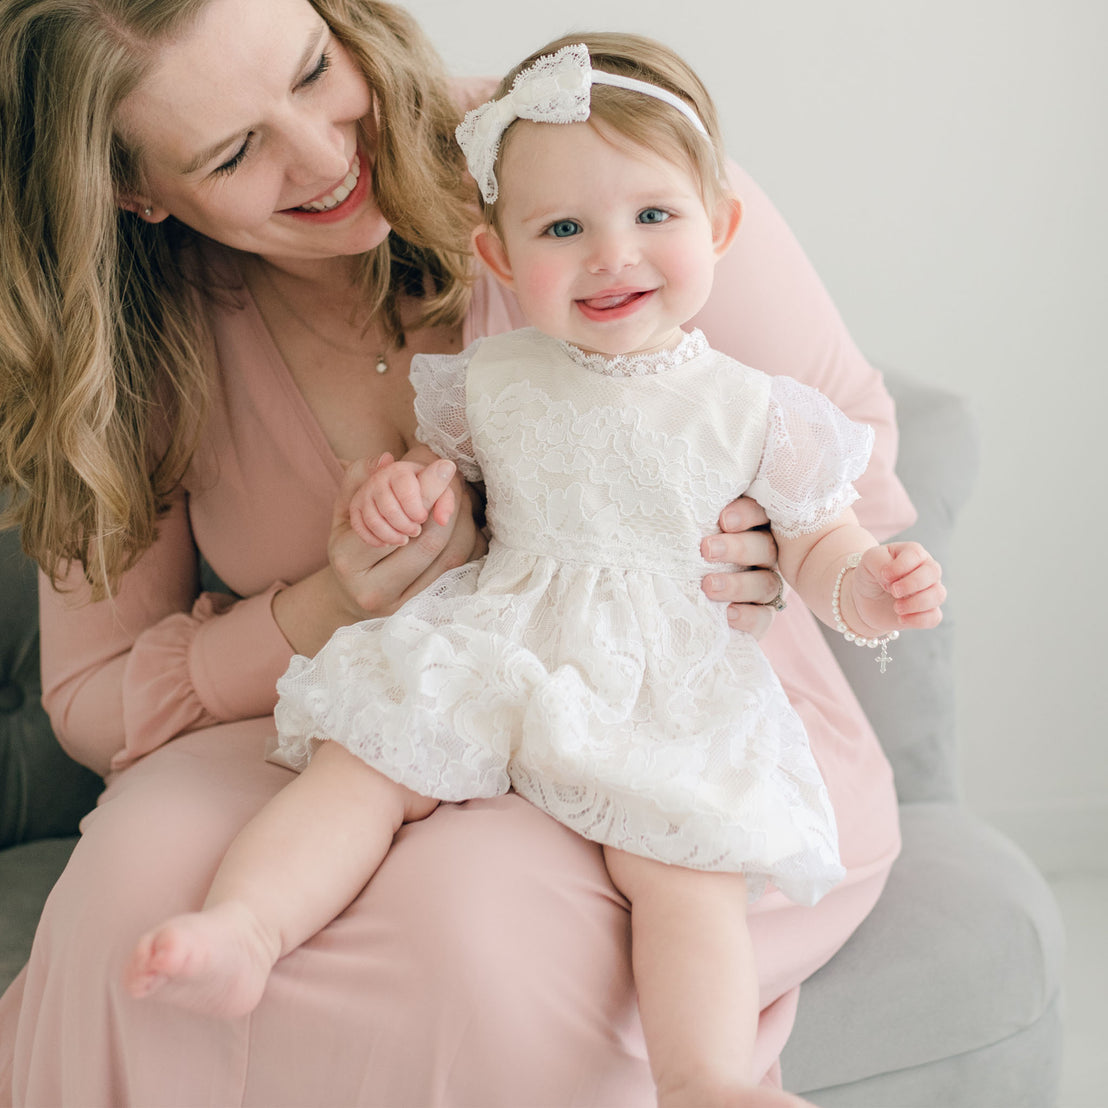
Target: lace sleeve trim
{"points": [[439, 381], [812, 455]]}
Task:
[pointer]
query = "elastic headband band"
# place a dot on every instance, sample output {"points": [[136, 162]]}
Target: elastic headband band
{"points": [[557, 88]]}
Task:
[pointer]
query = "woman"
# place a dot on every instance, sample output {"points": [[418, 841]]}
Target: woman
{"points": [[206, 208]]}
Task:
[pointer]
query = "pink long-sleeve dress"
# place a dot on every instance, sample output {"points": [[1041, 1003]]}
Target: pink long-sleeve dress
{"points": [[487, 962]]}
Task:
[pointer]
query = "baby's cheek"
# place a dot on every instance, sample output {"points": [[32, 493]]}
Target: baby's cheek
{"points": [[544, 279], [541, 289], [692, 276]]}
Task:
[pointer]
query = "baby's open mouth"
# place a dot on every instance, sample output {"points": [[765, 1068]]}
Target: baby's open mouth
{"points": [[603, 303], [613, 305]]}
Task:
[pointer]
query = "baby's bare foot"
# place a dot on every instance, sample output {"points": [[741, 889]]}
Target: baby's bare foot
{"points": [[215, 962]]}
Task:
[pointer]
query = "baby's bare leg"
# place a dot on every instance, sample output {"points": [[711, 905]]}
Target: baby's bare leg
{"points": [[696, 979], [289, 872]]}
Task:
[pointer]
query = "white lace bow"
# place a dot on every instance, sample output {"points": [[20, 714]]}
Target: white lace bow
{"points": [[555, 89]]}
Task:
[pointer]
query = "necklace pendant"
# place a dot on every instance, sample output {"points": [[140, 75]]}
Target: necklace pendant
{"points": [[381, 366]]}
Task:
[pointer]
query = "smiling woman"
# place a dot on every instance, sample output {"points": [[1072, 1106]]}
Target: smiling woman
{"points": [[190, 315], [290, 120]]}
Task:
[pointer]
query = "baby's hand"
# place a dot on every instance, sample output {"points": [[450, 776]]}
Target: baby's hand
{"points": [[898, 585], [399, 497]]}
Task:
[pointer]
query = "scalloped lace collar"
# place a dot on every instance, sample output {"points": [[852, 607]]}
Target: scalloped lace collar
{"points": [[691, 346]]}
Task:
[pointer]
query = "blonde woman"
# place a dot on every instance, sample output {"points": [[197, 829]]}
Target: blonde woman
{"points": [[229, 225]]}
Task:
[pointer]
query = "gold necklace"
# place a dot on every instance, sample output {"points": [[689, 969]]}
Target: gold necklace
{"points": [[380, 364]]}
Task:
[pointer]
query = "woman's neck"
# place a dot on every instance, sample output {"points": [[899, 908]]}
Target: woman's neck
{"points": [[327, 280]]}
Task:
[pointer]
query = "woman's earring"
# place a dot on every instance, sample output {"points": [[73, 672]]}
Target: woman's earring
{"points": [[148, 212]]}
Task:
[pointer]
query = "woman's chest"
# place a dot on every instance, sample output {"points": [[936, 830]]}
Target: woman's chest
{"points": [[264, 480]]}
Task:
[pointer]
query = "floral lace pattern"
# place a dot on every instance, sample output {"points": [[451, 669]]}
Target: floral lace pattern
{"points": [[580, 662]]}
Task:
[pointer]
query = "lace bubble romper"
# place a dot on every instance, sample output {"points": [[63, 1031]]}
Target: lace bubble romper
{"points": [[579, 662]]}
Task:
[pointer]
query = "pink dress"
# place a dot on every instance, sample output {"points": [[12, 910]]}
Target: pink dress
{"points": [[487, 961]]}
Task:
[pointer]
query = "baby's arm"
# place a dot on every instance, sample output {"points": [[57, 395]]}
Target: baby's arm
{"points": [[895, 586], [398, 497]]}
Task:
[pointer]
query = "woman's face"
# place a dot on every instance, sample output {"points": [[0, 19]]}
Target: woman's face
{"points": [[247, 129]]}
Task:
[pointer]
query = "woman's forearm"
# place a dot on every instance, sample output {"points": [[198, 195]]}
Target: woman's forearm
{"points": [[309, 612]]}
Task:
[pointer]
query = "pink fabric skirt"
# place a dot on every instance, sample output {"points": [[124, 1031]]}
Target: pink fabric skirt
{"points": [[486, 964]]}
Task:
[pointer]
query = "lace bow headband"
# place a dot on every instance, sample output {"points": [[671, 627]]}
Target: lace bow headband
{"points": [[555, 89]]}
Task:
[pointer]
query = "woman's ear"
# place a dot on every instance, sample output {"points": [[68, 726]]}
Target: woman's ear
{"points": [[725, 225], [489, 247], [142, 207]]}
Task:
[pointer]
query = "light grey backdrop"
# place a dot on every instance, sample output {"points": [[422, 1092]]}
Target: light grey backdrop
{"points": [[945, 165]]}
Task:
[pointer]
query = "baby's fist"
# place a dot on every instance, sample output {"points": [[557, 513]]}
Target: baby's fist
{"points": [[899, 585]]}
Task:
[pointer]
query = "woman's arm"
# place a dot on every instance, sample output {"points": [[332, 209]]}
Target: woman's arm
{"points": [[120, 667], [770, 310], [157, 659]]}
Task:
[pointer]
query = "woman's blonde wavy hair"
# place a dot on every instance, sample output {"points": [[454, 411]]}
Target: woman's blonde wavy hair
{"points": [[104, 370], [636, 118]]}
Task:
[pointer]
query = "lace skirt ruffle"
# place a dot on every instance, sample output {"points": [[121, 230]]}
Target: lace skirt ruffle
{"points": [[620, 703]]}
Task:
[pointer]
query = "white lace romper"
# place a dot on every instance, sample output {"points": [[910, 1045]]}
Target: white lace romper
{"points": [[579, 662]]}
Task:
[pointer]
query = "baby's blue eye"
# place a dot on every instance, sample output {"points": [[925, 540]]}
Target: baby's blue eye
{"points": [[653, 215], [564, 228]]}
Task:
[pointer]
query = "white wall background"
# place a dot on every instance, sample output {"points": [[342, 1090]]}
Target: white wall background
{"points": [[945, 165]]}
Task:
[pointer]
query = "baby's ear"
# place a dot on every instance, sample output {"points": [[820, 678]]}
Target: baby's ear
{"points": [[725, 225], [489, 247]]}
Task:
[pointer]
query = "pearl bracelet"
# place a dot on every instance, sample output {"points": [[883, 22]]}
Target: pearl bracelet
{"points": [[883, 658]]}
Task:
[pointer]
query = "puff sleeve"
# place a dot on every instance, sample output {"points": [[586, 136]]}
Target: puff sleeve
{"points": [[810, 459], [439, 381], [124, 675]]}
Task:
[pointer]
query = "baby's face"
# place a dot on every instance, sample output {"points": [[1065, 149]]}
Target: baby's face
{"points": [[607, 246]]}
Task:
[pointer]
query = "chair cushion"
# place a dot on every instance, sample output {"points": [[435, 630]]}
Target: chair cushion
{"points": [[963, 950], [43, 792], [27, 874]]}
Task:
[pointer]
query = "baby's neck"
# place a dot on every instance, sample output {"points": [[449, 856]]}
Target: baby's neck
{"points": [[671, 342]]}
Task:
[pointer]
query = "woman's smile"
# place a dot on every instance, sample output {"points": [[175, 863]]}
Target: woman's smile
{"points": [[340, 201], [253, 132]]}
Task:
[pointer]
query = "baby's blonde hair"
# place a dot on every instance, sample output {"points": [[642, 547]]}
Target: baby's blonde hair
{"points": [[104, 361], [637, 118]]}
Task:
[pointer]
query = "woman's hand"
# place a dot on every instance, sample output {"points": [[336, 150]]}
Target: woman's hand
{"points": [[745, 541], [376, 581], [360, 581]]}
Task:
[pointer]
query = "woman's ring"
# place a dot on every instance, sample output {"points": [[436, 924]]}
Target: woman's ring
{"points": [[778, 603]]}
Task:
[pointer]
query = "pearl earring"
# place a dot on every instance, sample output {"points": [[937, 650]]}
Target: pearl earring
{"points": [[148, 212]]}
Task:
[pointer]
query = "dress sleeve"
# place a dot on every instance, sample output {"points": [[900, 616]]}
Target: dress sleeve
{"points": [[439, 381], [770, 310], [811, 457], [124, 675]]}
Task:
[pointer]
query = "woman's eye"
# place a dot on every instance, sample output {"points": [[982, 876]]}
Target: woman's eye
{"points": [[237, 158], [321, 68], [653, 215], [564, 228]]}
